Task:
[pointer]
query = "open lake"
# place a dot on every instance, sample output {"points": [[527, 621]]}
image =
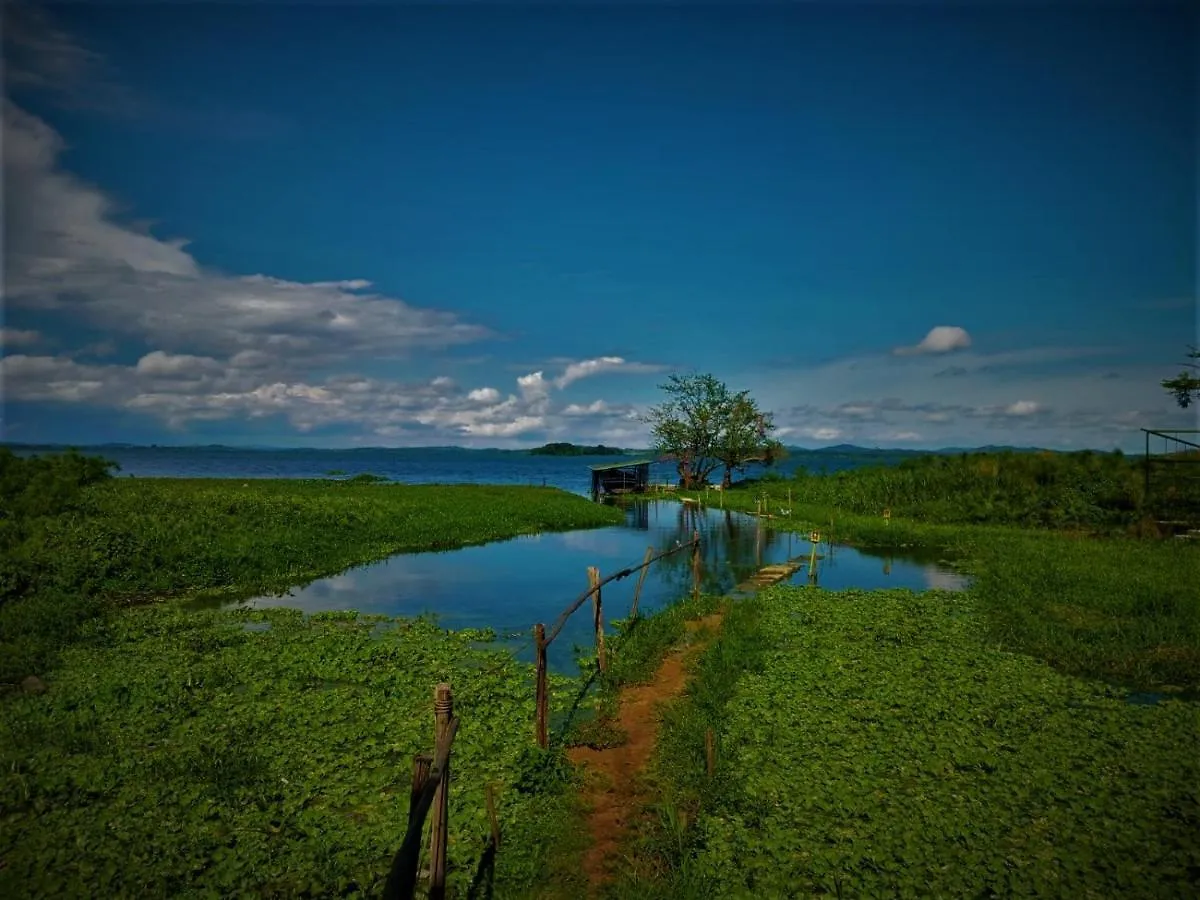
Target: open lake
{"points": [[510, 585]]}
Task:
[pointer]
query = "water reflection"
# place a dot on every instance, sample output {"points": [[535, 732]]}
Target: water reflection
{"points": [[510, 585]]}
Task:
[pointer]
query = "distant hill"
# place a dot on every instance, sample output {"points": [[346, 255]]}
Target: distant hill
{"points": [[565, 449]]}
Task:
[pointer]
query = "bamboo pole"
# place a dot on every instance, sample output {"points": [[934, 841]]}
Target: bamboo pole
{"points": [[598, 617], [695, 565], [637, 591], [541, 702], [443, 712]]}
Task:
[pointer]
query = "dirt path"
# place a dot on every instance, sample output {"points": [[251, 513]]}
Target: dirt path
{"points": [[614, 791]]}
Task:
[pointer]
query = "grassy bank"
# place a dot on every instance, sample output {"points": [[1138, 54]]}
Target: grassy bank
{"points": [[880, 744], [1052, 490], [1108, 607], [262, 753], [74, 545]]}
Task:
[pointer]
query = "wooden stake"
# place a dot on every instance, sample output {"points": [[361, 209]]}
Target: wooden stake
{"points": [[710, 752], [492, 817], [420, 775], [695, 565], [597, 617], [443, 711], [541, 701], [637, 591]]}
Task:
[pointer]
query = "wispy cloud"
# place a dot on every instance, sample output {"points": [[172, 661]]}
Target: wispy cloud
{"points": [[16, 337]]}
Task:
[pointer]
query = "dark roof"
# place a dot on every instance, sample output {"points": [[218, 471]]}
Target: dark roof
{"points": [[633, 463]]}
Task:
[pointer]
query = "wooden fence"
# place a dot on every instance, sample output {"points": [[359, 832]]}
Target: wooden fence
{"points": [[431, 774]]}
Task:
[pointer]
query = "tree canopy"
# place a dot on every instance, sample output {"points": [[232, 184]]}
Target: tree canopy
{"points": [[704, 425], [1186, 385]]}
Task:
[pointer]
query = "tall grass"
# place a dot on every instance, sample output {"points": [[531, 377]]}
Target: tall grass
{"points": [[1052, 490]]}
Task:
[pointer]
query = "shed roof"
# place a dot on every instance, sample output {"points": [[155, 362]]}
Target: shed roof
{"points": [[631, 464]]}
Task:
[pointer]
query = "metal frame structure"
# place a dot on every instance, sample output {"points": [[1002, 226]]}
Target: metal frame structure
{"points": [[631, 477], [1167, 471]]}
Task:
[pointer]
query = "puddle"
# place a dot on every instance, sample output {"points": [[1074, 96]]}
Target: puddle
{"points": [[507, 586]]}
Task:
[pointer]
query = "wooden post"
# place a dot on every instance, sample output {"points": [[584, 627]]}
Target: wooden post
{"points": [[695, 565], [443, 711], [541, 701], [789, 501], [637, 591], [597, 617], [710, 752], [420, 775], [492, 817]]}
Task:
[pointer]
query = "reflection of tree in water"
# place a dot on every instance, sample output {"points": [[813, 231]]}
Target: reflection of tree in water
{"points": [[732, 548]]}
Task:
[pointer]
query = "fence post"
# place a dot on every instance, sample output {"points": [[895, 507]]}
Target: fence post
{"points": [[443, 711], [598, 617], [420, 775], [541, 700], [637, 591], [695, 565]]}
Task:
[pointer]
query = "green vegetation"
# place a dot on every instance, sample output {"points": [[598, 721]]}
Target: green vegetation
{"points": [[1186, 385], [264, 753], [1104, 607], [704, 426], [74, 543], [564, 449], [1051, 490], [878, 744]]}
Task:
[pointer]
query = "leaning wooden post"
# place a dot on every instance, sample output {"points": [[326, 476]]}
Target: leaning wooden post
{"points": [[493, 819], [541, 701], [443, 711], [597, 617], [637, 591], [420, 775], [695, 565]]}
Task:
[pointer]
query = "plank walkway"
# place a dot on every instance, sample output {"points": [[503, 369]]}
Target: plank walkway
{"points": [[773, 574]]}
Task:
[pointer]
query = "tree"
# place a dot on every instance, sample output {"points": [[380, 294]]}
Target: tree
{"points": [[744, 436], [1185, 386], [703, 425]]}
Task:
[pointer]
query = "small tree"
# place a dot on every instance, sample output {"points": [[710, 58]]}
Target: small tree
{"points": [[1185, 386], [703, 425]]}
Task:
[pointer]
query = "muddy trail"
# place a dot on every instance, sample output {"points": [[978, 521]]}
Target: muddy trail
{"points": [[615, 793]]}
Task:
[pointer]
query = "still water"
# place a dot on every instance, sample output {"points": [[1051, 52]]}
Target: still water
{"points": [[509, 585]]}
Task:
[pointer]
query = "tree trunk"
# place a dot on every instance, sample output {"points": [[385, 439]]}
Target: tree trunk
{"points": [[727, 479]]}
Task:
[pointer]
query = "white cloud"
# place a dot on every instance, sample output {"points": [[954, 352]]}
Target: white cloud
{"points": [[942, 339], [16, 337], [1023, 408], [177, 365], [484, 395], [68, 255], [589, 367]]}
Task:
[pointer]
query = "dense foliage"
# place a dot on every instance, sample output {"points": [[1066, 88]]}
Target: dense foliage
{"points": [[262, 753], [704, 425], [1044, 489], [879, 745], [566, 449], [128, 539]]}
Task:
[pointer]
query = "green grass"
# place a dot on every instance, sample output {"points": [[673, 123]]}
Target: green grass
{"points": [[1052, 490], [1107, 607], [183, 754], [880, 744], [124, 541]]}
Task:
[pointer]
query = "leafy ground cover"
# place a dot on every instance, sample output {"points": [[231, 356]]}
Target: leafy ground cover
{"points": [[74, 543], [880, 744], [1110, 607], [263, 753]]}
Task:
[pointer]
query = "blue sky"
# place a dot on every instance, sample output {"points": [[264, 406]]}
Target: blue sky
{"points": [[898, 225]]}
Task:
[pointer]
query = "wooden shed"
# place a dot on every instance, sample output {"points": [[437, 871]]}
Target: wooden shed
{"points": [[630, 477]]}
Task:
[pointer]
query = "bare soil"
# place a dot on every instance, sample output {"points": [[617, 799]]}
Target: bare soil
{"points": [[615, 792]]}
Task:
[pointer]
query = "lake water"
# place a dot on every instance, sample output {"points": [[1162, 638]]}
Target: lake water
{"points": [[412, 465], [510, 585]]}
